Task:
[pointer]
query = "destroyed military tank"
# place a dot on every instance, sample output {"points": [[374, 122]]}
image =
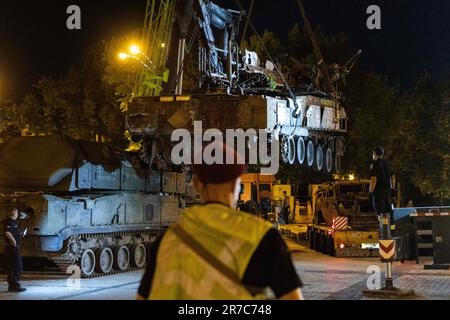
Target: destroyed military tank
{"points": [[235, 90], [84, 203]]}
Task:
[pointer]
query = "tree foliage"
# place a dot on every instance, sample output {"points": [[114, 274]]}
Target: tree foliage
{"points": [[265, 45], [422, 146], [84, 103]]}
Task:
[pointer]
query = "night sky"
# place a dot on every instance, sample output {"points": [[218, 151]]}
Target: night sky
{"points": [[34, 39]]}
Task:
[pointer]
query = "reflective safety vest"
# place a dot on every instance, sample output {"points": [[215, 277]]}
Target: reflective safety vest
{"points": [[231, 236]]}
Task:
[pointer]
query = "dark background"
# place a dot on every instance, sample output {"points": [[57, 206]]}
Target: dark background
{"points": [[35, 41]]}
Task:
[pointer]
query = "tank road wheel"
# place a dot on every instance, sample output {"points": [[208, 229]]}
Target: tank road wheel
{"points": [[138, 255], [104, 258], [291, 153], [301, 150], [87, 263], [328, 160], [310, 153], [319, 158], [121, 258]]}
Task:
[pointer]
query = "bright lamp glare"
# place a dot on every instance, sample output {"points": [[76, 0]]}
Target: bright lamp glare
{"points": [[123, 56], [134, 49]]}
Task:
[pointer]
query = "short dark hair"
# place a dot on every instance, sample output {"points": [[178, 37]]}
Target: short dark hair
{"points": [[379, 151]]}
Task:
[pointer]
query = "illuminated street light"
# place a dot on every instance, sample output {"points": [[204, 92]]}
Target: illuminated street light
{"points": [[123, 56], [134, 49]]}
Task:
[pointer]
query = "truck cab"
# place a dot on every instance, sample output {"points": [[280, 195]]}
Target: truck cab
{"points": [[345, 198], [344, 223]]}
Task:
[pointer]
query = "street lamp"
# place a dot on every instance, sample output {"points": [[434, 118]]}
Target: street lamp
{"points": [[124, 56], [135, 50]]}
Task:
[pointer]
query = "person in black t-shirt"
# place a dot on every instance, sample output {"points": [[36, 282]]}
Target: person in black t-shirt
{"points": [[12, 251], [382, 181]]}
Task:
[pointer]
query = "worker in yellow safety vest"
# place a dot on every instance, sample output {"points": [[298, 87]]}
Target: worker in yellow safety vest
{"points": [[217, 253]]}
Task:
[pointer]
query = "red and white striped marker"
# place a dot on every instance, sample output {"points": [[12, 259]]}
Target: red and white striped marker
{"points": [[340, 223]]}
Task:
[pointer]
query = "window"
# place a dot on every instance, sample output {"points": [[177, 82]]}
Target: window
{"points": [[330, 193]]}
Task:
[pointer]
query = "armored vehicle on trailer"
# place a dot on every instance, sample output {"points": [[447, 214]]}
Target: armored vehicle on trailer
{"points": [[84, 203], [235, 90], [314, 138]]}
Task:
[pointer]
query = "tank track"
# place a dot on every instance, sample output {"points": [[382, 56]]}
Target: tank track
{"points": [[72, 254]]}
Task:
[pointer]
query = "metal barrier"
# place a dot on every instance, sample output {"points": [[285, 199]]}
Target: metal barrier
{"points": [[432, 225]]}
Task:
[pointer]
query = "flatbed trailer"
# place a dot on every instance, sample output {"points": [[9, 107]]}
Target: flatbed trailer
{"points": [[338, 243], [343, 243], [295, 231]]}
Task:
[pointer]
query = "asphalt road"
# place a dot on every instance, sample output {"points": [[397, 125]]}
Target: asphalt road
{"points": [[324, 277]]}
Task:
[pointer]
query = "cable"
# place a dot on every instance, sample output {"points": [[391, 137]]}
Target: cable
{"points": [[189, 47], [244, 33]]}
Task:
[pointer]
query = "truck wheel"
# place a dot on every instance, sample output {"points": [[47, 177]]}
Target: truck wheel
{"points": [[330, 246], [312, 235], [323, 243], [317, 242]]}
